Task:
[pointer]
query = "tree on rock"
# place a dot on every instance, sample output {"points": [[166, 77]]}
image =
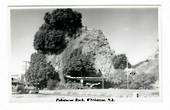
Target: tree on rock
{"points": [[64, 19], [59, 24], [40, 71]]}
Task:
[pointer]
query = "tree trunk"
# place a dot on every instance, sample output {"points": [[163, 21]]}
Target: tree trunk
{"points": [[61, 76]]}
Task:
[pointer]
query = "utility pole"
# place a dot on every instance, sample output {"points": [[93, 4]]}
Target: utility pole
{"points": [[127, 74], [25, 69], [26, 65]]}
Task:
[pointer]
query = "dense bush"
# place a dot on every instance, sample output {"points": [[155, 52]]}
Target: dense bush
{"points": [[51, 84], [39, 71], [120, 62], [139, 81], [80, 65], [61, 23], [117, 80], [143, 81]]}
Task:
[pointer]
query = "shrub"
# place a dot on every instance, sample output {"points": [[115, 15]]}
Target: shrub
{"points": [[143, 81], [80, 65], [51, 84], [120, 62], [140, 81], [117, 80]]}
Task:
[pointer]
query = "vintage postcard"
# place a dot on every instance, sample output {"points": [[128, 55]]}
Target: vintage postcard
{"points": [[85, 53]]}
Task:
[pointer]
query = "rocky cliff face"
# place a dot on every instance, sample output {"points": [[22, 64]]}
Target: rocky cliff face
{"points": [[95, 41], [92, 41]]}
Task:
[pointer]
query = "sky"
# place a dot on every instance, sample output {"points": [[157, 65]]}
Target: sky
{"points": [[133, 31]]}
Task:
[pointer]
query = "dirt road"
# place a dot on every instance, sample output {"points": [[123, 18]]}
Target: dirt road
{"points": [[52, 95]]}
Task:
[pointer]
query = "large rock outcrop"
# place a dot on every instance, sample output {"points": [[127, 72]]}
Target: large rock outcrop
{"points": [[92, 41]]}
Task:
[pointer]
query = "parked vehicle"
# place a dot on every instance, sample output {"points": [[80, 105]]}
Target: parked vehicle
{"points": [[24, 89]]}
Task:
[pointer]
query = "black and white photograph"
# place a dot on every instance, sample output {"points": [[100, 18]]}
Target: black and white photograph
{"points": [[84, 54]]}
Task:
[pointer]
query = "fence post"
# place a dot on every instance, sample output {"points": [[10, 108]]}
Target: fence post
{"points": [[102, 83]]}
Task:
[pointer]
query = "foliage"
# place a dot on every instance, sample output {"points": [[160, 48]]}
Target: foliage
{"points": [[50, 42], [118, 79], [51, 84], [64, 19], [120, 62], [71, 85], [139, 81], [143, 81], [39, 71], [61, 23], [80, 65]]}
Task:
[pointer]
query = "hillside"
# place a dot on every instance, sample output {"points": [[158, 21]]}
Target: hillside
{"points": [[149, 66]]}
